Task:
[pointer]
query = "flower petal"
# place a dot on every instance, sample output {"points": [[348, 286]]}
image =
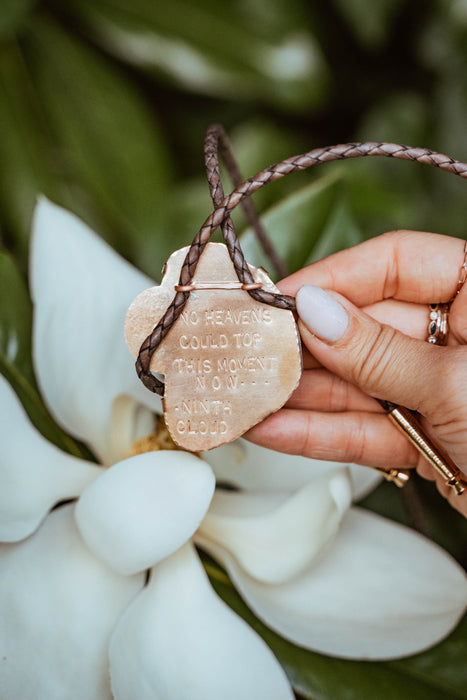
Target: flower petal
{"points": [[34, 474], [144, 508], [81, 290], [178, 640], [251, 467], [59, 606], [274, 537], [380, 591]]}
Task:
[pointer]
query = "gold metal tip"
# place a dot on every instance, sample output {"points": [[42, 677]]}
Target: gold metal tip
{"points": [[410, 425], [399, 477], [458, 486]]}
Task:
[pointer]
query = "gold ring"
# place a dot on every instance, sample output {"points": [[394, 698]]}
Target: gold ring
{"points": [[438, 329]]}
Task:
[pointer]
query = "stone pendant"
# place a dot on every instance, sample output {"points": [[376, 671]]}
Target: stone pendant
{"points": [[229, 361]]}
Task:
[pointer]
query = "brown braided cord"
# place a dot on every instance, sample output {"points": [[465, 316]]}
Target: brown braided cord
{"points": [[215, 136], [241, 193], [217, 139]]}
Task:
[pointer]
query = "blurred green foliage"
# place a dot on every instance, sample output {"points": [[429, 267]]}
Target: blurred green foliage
{"points": [[103, 108], [104, 105]]}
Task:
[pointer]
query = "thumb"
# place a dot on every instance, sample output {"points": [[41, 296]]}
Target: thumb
{"points": [[383, 362]]}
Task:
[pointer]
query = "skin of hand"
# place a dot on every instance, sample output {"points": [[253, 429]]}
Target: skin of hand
{"points": [[365, 336]]}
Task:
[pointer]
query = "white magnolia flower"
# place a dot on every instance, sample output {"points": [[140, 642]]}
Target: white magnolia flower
{"points": [[78, 617]]}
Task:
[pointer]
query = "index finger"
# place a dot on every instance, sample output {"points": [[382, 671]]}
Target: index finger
{"points": [[406, 265]]}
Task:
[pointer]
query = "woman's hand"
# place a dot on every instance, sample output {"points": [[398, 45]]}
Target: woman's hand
{"points": [[366, 337]]}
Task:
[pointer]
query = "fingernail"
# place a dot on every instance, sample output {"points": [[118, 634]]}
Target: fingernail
{"points": [[321, 313]]}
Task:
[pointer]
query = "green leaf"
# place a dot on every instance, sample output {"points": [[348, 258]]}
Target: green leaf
{"points": [[15, 354], [340, 232], [106, 137], [15, 319], [25, 153], [256, 144], [210, 48], [295, 224], [13, 14], [378, 204], [438, 673], [187, 207]]}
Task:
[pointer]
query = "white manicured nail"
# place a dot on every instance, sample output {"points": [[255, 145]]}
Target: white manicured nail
{"points": [[321, 313]]}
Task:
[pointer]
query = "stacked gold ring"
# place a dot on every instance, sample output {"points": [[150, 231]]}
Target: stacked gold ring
{"points": [[438, 324]]}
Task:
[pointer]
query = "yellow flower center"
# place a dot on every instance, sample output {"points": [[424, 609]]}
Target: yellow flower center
{"points": [[160, 439]]}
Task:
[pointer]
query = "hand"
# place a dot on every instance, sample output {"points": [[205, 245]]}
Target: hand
{"points": [[366, 337]]}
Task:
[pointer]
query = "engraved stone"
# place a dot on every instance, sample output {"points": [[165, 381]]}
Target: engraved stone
{"points": [[229, 361]]}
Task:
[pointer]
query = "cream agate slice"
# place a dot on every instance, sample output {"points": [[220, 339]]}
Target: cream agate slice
{"points": [[229, 361]]}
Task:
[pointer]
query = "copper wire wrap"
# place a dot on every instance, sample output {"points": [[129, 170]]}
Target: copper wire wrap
{"points": [[193, 287], [216, 139]]}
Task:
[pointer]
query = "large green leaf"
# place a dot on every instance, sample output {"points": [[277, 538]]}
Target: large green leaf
{"points": [[256, 144], [295, 224], [15, 354], [213, 48], [106, 137], [340, 232], [13, 14], [15, 319], [25, 153], [438, 673], [188, 205]]}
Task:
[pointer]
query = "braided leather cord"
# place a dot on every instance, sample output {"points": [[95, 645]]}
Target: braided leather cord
{"points": [[224, 206], [216, 136], [217, 139], [211, 144]]}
